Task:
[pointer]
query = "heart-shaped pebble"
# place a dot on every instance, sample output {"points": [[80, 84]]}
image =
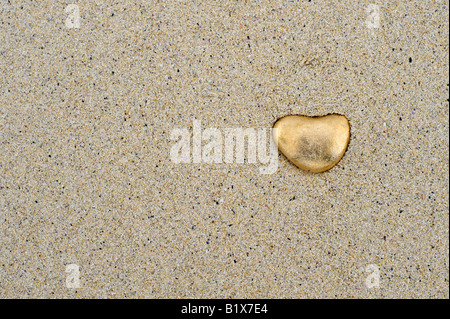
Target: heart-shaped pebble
{"points": [[314, 144]]}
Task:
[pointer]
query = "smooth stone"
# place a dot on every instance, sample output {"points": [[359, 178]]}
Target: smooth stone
{"points": [[314, 144]]}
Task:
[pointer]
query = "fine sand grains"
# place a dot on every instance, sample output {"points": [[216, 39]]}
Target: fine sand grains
{"points": [[92, 206]]}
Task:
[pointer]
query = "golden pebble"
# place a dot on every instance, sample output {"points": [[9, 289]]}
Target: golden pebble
{"points": [[314, 144]]}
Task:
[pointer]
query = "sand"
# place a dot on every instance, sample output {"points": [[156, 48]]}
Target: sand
{"points": [[86, 177]]}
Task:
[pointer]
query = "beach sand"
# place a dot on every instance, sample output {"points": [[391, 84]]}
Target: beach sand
{"points": [[86, 176]]}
